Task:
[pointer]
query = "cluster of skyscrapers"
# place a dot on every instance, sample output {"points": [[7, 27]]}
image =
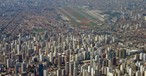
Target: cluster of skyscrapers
{"points": [[47, 54]]}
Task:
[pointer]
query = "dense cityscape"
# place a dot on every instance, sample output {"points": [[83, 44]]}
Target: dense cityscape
{"points": [[72, 38]]}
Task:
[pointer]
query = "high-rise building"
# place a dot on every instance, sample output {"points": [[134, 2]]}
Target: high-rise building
{"points": [[40, 70]]}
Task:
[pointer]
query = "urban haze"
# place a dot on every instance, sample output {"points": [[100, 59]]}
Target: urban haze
{"points": [[72, 37]]}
